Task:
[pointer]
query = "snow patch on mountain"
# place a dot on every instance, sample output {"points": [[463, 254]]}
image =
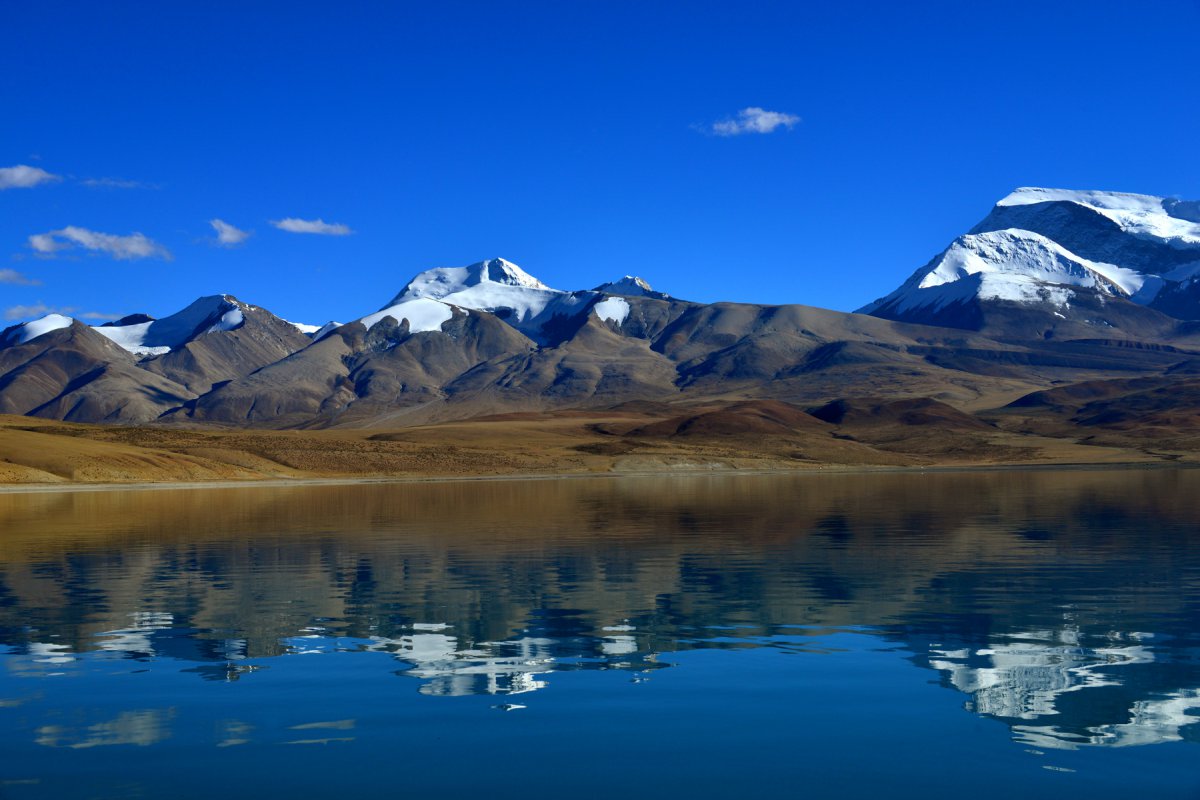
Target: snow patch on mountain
{"points": [[496, 277], [423, 314], [28, 331], [1013, 265], [495, 286], [1126, 201], [1174, 221], [629, 286], [205, 315], [1041, 245], [325, 330], [1011, 287], [1028, 254], [133, 338], [307, 330], [1022, 289], [612, 309]]}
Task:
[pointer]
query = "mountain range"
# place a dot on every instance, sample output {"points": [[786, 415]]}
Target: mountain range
{"points": [[1052, 289]]}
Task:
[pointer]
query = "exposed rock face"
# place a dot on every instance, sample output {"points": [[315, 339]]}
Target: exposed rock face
{"points": [[75, 374], [224, 355], [1053, 287], [1065, 261]]}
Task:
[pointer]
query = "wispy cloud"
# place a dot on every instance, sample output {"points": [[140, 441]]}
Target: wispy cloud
{"points": [[320, 226], [24, 177], [132, 246], [116, 183], [228, 235], [41, 309], [753, 120], [14, 278], [36, 310]]}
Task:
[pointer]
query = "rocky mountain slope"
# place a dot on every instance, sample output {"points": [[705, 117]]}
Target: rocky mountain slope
{"points": [[1052, 288], [1067, 263]]}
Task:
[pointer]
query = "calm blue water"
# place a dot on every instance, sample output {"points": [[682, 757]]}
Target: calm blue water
{"points": [[1005, 634]]}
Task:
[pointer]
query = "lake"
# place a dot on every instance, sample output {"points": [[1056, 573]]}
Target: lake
{"points": [[1004, 633]]}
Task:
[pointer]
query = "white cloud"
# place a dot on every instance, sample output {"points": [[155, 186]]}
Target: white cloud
{"points": [[41, 309], [228, 235], [24, 177], [35, 310], [293, 225], [14, 278], [116, 183], [754, 120], [135, 245]]}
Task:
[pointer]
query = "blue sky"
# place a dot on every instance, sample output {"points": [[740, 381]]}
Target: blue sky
{"points": [[574, 138]]}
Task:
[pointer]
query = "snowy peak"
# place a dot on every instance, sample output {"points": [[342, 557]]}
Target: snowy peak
{"points": [[28, 331], [1013, 265], [497, 270], [1028, 195], [1027, 254], [157, 336], [1171, 221], [500, 287], [495, 286], [1043, 247], [442, 282], [629, 286]]}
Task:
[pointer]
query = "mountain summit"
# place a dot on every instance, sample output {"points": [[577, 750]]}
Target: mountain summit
{"points": [[629, 286], [1052, 287], [1063, 254], [442, 282], [495, 286], [158, 336]]}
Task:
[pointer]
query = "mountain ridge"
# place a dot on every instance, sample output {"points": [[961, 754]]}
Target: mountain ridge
{"points": [[1047, 247], [1009, 308]]}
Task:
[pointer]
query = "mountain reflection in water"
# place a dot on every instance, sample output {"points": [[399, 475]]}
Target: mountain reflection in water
{"points": [[1064, 604]]}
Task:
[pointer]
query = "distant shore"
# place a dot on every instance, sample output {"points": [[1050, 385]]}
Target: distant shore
{"points": [[39, 455], [830, 469]]}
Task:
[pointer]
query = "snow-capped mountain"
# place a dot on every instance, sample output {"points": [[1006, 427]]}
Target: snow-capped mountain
{"points": [[425, 304], [489, 281], [28, 331], [1152, 221], [1063, 253], [1045, 269], [500, 287], [137, 367], [145, 336], [630, 286]]}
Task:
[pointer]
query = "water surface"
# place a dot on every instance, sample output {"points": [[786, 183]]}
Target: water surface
{"points": [[816, 635]]}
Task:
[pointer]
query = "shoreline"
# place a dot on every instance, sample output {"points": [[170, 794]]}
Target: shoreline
{"points": [[832, 469]]}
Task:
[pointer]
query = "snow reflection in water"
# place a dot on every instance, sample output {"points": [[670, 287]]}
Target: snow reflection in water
{"points": [[799, 610]]}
